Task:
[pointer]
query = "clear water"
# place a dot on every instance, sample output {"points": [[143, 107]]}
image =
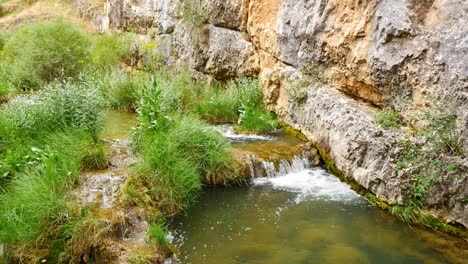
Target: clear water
{"points": [[118, 124], [302, 215], [307, 216]]}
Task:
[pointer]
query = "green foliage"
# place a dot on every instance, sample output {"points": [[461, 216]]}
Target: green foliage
{"points": [[94, 158], [56, 107], [427, 161], [49, 172], [151, 57], [388, 118], [193, 13], [241, 101], [45, 51], [26, 120], [123, 91], [178, 153], [109, 50], [313, 73], [310, 74], [2, 40], [158, 234], [409, 213], [256, 120], [298, 91]]}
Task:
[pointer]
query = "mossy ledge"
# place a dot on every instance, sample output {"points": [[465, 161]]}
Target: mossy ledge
{"points": [[430, 221]]}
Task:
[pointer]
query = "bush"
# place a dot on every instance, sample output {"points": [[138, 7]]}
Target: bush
{"points": [[44, 51], [109, 50]]}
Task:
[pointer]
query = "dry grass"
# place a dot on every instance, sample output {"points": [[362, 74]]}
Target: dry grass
{"points": [[20, 13]]}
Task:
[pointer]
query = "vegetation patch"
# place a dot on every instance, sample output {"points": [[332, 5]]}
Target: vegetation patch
{"points": [[388, 118], [178, 153], [310, 74], [45, 51]]}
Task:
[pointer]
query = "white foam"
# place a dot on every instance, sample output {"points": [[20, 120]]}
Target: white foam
{"points": [[315, 184], [228, 132]]}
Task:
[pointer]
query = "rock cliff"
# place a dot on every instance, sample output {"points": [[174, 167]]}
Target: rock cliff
{"points": [[347, 58]]}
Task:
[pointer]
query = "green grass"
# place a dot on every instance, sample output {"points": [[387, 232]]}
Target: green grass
{"points": [[388, 118], [123, 90], [256, 120], [178, 153], [43, 183], [158, 234]]}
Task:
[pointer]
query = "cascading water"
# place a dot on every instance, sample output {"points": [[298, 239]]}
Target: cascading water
{"points": [[296, 213]]}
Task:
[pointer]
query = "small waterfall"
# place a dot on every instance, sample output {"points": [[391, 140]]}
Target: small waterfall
{"points": [[260, 168]]}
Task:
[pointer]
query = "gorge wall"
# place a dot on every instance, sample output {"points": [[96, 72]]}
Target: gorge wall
{"points": [[364, 55]]}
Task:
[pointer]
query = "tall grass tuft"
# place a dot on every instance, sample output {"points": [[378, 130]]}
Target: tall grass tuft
{"points": [[33, 203], [179, 152]]}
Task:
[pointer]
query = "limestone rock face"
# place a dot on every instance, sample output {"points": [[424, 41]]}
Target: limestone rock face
{"points": [[405, 54]]}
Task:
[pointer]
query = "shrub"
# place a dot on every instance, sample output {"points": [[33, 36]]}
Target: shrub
{"points": [[298, 91], [44, 51], [109, 50]]}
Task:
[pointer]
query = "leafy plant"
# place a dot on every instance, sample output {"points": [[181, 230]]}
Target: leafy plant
{"points": [[178, 153], [56, 107], [428, 161]]}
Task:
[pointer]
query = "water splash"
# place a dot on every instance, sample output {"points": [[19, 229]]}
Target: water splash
{"points": [[297, 176], [309, 184], [228, 132]]}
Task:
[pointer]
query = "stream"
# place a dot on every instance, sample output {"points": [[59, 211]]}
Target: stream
{"points": [[298, 214]]}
